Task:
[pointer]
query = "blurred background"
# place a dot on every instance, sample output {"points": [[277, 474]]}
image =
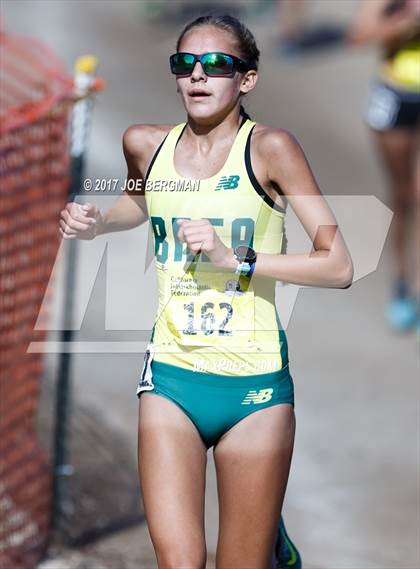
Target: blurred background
{"points": [[353, 495]]}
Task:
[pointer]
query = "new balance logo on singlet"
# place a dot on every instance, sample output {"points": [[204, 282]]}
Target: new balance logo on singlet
{"points": [[256, 397], [227, 183]]}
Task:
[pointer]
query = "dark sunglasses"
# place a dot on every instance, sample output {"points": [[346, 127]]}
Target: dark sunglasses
{"points": [[215, 63]]}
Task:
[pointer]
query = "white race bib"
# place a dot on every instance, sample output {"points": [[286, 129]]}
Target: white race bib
{"points": [[213, 316]]}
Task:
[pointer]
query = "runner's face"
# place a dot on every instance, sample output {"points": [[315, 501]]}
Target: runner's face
{"points": [[222, 92]]}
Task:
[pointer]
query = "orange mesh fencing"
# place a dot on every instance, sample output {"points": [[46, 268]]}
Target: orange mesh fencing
{"points": [[34, 179]]}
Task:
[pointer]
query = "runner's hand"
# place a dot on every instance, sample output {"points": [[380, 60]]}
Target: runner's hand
{"points": [[80, 221], [200, 236]]}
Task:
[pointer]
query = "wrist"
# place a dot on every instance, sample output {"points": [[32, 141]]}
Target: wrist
{"points": [[229, 262], [100, 226], [245, 257]]}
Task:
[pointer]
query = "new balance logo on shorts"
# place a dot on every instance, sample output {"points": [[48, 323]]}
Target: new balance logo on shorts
{"points": [[227, 183], [256, 397]]}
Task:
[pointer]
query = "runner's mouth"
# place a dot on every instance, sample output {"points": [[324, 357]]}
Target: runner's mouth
{"points": [[199, 94]]}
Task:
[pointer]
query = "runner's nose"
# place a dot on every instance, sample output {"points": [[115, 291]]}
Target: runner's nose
{"points": [[198, 71]]}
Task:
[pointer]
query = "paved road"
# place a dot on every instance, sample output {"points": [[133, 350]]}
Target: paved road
{"points": [[353, 496]]}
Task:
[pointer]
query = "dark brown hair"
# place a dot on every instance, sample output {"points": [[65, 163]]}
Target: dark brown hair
{"points": [[244, 39]]}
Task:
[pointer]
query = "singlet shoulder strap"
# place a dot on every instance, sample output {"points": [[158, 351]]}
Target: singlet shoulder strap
{"points": [[169, 138]]}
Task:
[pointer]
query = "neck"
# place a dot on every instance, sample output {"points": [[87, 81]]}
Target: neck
{"points": [[212, 131]]}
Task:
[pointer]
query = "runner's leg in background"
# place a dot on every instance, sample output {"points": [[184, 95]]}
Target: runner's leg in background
{"points": [[397, 151]]}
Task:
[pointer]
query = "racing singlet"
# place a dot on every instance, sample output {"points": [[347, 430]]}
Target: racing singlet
{"points": [[402, 67], [210, 318]]}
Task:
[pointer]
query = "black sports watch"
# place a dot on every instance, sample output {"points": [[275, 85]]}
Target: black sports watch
{"points": [[246, 257]]}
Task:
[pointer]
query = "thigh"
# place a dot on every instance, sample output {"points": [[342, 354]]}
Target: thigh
{"points": [[172, 469], [416, 170], [393, 115], [396, 147], [252, 463]]}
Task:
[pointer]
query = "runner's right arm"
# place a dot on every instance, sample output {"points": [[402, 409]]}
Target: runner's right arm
{"points": [[130, 209], [85, 221]]}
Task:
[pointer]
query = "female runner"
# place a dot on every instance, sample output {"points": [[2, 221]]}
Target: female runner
{"points": [[216, 371], [393, 114]]}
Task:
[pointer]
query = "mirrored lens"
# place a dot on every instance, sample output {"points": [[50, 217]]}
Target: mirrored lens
{"points": [[217, 64], [182, 63]]}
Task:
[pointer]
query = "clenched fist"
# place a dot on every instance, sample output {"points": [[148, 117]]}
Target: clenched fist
{"points": [[200, 235], [80, 221]]}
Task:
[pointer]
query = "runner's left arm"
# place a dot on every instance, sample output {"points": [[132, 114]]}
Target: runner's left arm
{"points": [[329, 264]]}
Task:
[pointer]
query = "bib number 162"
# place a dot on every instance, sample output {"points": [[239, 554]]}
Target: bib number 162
{"points": [[207, 319]]}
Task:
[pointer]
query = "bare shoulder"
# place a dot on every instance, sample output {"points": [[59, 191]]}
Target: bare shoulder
{"points": [[140, 139], [272, 143], [283, 161], [140, 142]]}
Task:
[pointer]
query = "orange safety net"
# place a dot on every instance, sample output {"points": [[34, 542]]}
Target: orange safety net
{"points": [[35, 100]]}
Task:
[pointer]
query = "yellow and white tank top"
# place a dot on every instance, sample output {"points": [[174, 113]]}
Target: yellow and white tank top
{"points": [[211, 319]]}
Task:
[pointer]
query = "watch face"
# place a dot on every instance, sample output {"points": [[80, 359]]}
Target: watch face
{"points": [[245, 253]]}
